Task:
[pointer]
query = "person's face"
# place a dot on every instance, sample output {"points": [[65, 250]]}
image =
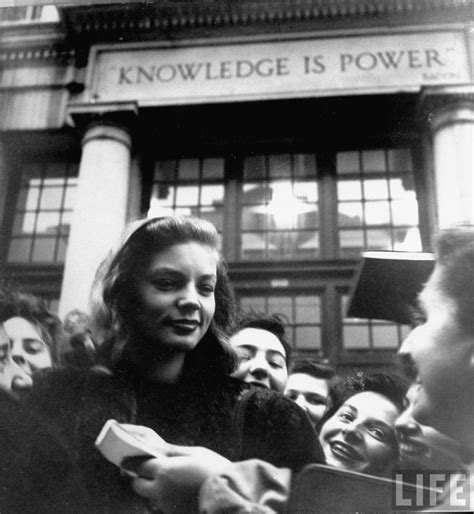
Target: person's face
{"points": [[361, 434], [175, 300], [310, 393], [262, 358], [12, 377], [29, 349], [423, 447], [439, 356]]}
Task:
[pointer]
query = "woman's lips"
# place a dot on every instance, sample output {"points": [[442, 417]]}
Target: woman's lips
{"points": [[344, 451], [184, 325]]}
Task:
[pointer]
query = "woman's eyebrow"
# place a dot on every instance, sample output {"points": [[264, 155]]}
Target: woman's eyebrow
{"points": [[211, 276]]}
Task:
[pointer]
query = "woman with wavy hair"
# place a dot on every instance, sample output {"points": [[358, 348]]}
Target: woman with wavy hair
{"points": [[161, 307]]}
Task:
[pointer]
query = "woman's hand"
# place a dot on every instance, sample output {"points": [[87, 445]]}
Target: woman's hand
{"points": [[172, 481]]}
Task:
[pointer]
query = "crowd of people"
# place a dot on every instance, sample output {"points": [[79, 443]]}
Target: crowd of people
{"points": [[164, 348]]}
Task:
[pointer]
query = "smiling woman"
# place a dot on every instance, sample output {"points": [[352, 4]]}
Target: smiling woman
{"points": [[358, 433], [162, 305]]}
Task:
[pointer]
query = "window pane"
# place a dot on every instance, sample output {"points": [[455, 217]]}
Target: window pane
{"points": [[350, 214], [308, 219], [308, 244], [349, 190], [19, 250], [256, 194], [213, 169], [163, 195], [281, 305], [308, 309], [47, 222], [405, 212], [51, 198], [214, 215], [43, 249], [373, 160], [24, 223], [377, 213], [399, 159], [252, 219], [308, 338], [347, 162], [306, 191], [188, 169], [165, 171], [187, 195], [356, 337], [379, 239], [304, 165], [279, 166], [28, 199], [255, 303], [255, 167], [375, 189], [351, 239], [211, 195], [252, 245], [385, 336]]}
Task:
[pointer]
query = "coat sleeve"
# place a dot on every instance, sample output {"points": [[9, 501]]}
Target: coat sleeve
{"points": [[251, 486], [274, 429]]}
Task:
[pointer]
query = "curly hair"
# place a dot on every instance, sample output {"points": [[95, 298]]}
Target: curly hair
{"points": [[33, 309], [391, 386], [114, 289]]}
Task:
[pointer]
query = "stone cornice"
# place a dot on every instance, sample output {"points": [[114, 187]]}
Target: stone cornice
{"points": [[175, 15], [35, 55], [34, 43]]}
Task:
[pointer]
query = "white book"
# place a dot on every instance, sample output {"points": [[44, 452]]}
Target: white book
{"points": [[117, 441]]}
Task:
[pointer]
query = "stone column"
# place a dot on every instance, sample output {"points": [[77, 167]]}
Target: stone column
{"points": [[451, 118], [100, 213]]}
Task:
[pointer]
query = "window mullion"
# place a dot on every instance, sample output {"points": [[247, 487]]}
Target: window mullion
{"points": [[328, 220], [232, 208]]}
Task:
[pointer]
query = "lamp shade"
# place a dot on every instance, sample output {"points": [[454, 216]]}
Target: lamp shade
{"points": [[387, 285]]}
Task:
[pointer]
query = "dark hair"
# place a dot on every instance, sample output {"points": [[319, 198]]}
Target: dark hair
{"points": [[388, 385], [273, 323], [115, 282], [33, 309], [455, 262], [313, 368]]}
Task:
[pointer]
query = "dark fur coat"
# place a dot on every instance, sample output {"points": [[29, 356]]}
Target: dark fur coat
{"points": [[222, 414]]}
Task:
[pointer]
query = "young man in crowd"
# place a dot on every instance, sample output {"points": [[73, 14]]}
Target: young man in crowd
{"points": [[264, 351], [309, 385], [439, 354]]}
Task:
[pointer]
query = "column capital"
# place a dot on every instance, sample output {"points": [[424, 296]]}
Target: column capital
{"points": [[442, 106], [81, 115], [107, 130]]}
